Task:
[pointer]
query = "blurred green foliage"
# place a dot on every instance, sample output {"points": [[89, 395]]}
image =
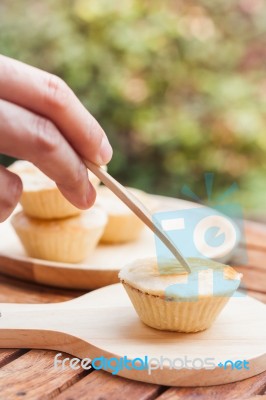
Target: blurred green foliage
{"points": [[179, 86]]}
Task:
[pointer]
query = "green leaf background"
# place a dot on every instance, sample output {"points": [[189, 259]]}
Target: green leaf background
{"points": [[179, 86]]}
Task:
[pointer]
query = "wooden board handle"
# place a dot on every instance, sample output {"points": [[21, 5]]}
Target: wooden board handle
{"points": [[28, 316], [34, 326]]}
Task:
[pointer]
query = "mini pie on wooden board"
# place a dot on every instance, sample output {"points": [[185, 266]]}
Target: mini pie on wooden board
{"points": [[51, 228]]}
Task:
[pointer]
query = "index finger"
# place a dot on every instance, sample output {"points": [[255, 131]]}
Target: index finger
{"points": [[49, 96]]}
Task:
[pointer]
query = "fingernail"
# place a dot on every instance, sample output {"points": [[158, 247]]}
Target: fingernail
{"points": [[105, 151], [90, 194]]}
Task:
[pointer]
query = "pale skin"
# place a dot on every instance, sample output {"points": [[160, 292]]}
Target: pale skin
{"points": [[42, 121]]}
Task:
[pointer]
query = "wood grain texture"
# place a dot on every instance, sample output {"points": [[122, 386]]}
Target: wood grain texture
{"points": [[100, 385], [234, 391], [16, 291], [253, 278], [258, 397], [250, 256], [32, 376], [255, 234], [6, 356]]}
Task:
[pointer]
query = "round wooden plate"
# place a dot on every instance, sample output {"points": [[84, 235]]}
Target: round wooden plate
{"points": [[100, 269]]}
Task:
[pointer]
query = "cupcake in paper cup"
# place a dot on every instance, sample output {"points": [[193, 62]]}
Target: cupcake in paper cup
{"points": [[167, 298], [123, 225], [41, 198], [68, 240]]}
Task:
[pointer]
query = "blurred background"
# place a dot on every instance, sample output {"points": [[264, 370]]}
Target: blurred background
{"points": [[179, 86]]}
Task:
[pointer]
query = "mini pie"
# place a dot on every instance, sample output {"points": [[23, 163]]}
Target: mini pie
{"points": [[123, 225], [68, 240], [41, 198], [167, 300]]}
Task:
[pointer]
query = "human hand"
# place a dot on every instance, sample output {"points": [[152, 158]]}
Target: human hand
{"points": [[42, 121]]}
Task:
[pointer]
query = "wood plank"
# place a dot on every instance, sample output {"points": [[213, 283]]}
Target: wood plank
{"points": [[250, 257], [15, 291], [255, 234], [241, 390], [7, 356], [100, 385], [253, 278], [258, 397], [24, 271], [33, 376]]}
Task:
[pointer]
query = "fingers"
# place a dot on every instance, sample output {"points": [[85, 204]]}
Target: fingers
{"points": [[26, 135], [49, 96], [10, 192]]}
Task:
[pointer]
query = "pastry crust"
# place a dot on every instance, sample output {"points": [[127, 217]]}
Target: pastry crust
{"points": [[41, 198], [123, 225], [68, 240], [180, 302]]}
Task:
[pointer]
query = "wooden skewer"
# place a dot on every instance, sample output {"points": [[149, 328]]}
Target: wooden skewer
{"points": [[138, 208]]}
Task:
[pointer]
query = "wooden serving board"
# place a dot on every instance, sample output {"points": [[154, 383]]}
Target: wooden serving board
{"points": [[100, 269], [104, 323]]}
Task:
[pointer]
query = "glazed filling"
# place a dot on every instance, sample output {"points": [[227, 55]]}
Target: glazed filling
{"points": [[208, 278]]}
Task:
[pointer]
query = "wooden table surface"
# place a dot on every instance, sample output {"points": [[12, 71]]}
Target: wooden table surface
{"points": [[30, 374]]}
